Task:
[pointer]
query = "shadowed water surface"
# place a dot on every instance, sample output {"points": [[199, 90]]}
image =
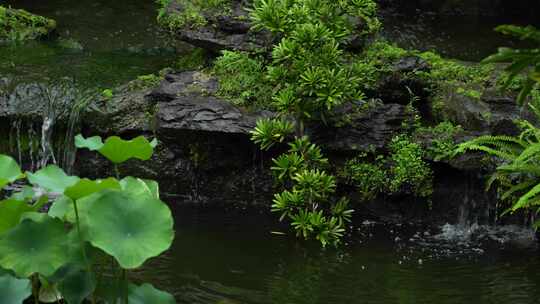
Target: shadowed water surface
{"points": [[230, 256]]}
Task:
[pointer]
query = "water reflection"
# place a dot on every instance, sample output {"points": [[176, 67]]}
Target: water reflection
{"points": [[230, 257]]}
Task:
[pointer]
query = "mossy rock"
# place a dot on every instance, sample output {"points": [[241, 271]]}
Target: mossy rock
{"points": [[20, 25]]}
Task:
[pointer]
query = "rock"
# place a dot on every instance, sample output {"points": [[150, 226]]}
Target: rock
{"points": [[361, 126], [231, 30], [492, 112]]}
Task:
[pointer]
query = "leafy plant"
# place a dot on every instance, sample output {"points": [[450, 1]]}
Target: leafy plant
{"points": [[19, 25], [124, 219], [521, 61]]}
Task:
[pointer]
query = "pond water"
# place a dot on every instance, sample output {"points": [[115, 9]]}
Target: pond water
{"points": [[101, 43], [231, 256]]}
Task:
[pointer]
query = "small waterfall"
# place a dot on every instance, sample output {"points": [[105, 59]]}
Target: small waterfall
{"points": [[49, 140]]}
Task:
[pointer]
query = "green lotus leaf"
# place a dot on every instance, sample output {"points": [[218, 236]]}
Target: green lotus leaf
{"points": [[10, 213], [118, 150], [60, 207], [14, 290], [52, 178], [140, 186], [131, 228], [74, 283], [147, 293], [31, 247], [93, 143], [86, 187], [9, 170], [27, 193]]}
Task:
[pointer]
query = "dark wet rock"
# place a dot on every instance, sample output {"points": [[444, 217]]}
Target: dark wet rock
{"points": [[361, 126], [401, 84], [231, 30], [493, 112]]}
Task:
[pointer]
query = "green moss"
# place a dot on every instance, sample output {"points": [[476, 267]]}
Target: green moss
{"points": [[19, 25], [196, 60], [442, 139], [191, 13], [144, 82], [447, 70], [472, 93], [242, 80]]}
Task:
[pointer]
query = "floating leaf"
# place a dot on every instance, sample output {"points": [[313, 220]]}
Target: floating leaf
{"points": [[9, 170], [13, 290], [86, 187], [93, 143], [10, 213], [118, 150], [60, 207], [35, 247], [139, 186], [131, 228], [147, 293], [52, 178]]}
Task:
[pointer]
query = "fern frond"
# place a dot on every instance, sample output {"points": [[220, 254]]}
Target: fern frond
{"points": [[516, 188], [525, 200]]}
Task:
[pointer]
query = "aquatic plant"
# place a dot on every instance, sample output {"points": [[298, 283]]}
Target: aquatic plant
{"points": [[53, 255]]}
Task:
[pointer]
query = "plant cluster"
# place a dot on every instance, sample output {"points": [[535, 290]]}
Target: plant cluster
{"points": [[53, 253], [308, 196], [242, 80], [522, 61], [442, 142], [518, 175], [191, 13], [19, 25], [402, 171]]}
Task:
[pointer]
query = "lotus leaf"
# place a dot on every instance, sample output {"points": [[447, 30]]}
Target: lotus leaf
{"points": [[9, 170], [146, 293], [140, 186], [118, 150], [86, 187], [52, 178], [31, 247], [74, 283], [14, 290], [10, 213], [131, 228]]}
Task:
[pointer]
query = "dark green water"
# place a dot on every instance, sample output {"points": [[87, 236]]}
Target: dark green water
{"points": [[119, 39], [230, 256]]}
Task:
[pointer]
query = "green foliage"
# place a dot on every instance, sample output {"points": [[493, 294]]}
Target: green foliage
{"points": [[14, 290], [307, 199], [409, 171], [118, 150], [192, 13], [446, 70], [121, 218], [19, 25], [195, 60], [146, 293], [9, 170], [242, 80], [369, 178], [521, 61], [144, 82], [442, 139], [107, 94], [518, 177], [271, 131]]}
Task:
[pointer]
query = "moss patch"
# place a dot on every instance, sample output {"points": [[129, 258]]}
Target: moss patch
{"points": [[19, 25], [176, 15]]}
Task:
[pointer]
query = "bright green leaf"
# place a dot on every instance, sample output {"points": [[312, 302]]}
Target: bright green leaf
{"points": [[131, 228], [13, 290], [52, 178], [9, 170], [147, 293], [86, 187], [10, 213], [93, 143]]}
